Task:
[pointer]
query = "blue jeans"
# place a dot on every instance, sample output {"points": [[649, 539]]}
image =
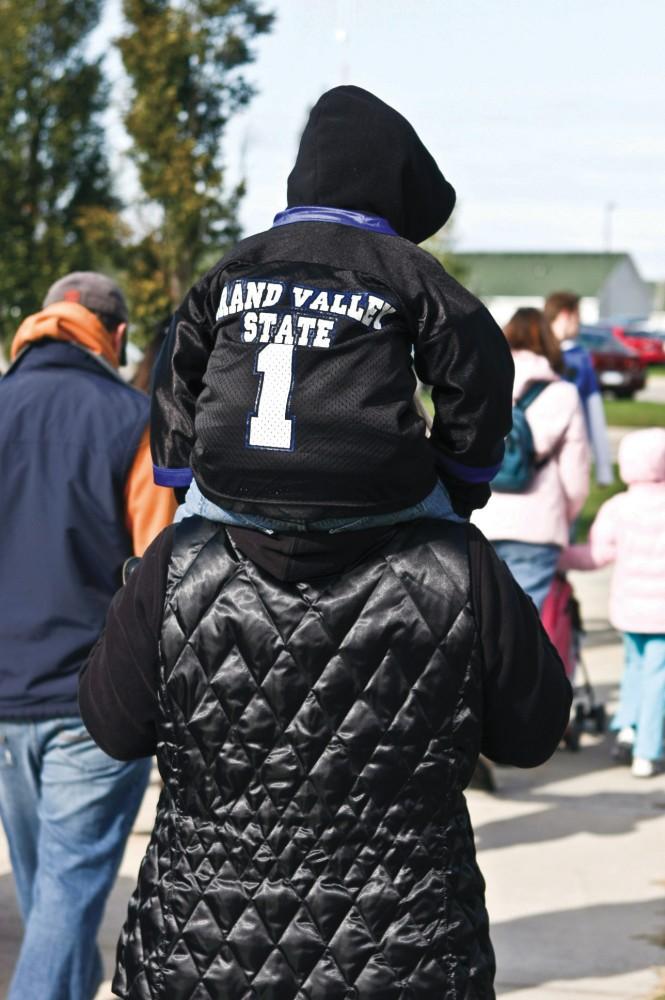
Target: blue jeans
{"points": [[436, 505], [67, 809], [532, 565], [642, 697]]}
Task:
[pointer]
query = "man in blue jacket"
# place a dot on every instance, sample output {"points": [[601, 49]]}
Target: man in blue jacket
{"points": [[562, 312], [77, 500]]}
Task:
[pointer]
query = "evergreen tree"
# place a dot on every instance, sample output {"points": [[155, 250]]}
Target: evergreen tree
{"points": [[53, 168], [184, 60]]}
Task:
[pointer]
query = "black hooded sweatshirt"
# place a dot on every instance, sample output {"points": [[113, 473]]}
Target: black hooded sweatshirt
{"points": [[286, 383]]}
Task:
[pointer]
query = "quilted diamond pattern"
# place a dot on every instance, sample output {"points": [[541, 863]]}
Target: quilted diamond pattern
{"points": [[312, 841]]}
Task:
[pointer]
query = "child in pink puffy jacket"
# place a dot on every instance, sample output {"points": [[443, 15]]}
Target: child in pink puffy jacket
{"points": [[629, 530]]}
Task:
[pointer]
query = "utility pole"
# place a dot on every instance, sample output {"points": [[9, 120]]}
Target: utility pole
{"points": [[609, 209], [342, 38]]}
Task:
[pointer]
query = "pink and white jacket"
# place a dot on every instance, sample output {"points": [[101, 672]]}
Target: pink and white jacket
{"points": [[544, 512], [629, 530]]}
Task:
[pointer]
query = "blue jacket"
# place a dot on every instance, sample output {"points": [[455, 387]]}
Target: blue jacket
{"points": [[578, 369], [69, 430]]}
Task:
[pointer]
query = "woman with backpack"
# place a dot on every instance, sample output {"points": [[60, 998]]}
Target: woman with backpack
{"points": [[544, 482]]}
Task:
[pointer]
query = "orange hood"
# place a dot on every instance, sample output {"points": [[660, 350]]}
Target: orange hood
{"points": [[67, 321]]}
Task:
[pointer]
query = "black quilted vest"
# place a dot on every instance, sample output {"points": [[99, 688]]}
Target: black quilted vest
{"points": [[312, 840]]}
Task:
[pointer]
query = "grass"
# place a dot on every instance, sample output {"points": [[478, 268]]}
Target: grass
{"points": [[656, 369], [618, 412], [631, 413]]}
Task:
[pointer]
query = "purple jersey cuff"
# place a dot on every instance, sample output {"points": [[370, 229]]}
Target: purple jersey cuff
{"points": [[468, 473], [171, 477]]}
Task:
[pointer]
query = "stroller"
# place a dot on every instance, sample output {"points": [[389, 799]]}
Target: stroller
{"points": [[563, 623]]}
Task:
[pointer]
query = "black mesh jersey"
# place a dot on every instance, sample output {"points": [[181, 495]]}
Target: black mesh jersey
{"points": [[287, 379]]}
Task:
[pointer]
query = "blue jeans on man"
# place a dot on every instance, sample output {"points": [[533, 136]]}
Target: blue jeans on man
{"points": [[532, 565], [67, 809]]}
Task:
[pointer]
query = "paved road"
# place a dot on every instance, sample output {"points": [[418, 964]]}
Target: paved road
{"points": [[572, 853], [654, 392]]}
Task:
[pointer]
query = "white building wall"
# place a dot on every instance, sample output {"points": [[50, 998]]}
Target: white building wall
{"points": [[656, 321], [625, 294], [502, 307], [589, 309]]}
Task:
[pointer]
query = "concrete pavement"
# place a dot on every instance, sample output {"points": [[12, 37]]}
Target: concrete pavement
{"points": [[573, 854], [654, 391]]}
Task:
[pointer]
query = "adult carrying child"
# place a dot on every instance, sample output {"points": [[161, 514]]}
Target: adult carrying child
{"points": [[318, 699]]}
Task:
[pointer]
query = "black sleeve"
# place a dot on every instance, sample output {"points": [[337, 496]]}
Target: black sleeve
{"points": [[463, 355], [118, 684], [178, 379], [527, 695]]}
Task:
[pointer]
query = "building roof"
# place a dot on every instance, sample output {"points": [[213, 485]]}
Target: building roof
{"points": [[535, 274]]}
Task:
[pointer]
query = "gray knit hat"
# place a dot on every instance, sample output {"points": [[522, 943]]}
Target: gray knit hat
{"points": [[92, 290]]}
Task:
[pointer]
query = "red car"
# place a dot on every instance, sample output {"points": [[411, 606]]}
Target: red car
{"points": [[648, 345], [620, 369]]}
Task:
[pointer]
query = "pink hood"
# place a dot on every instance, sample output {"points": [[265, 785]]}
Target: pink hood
{"points": [[642, 456], [629, 530]]}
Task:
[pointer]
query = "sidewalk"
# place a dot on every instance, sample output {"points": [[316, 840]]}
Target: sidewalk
{"points": [[574, 858], [573, 854]]}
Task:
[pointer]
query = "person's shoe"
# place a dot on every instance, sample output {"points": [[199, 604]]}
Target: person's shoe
{"points": [[643, 767], [622, 751]]}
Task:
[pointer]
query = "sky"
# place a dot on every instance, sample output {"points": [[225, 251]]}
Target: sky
{"points": [[548, 116]]}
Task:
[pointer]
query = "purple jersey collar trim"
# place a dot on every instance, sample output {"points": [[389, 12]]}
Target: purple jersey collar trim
{"points": [[342, 216]]}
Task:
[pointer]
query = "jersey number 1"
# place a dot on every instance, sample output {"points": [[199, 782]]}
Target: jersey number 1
{"points": [[269, 426]]}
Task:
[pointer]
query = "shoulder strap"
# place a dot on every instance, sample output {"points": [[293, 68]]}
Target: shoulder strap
{"points": [[530, 395]]}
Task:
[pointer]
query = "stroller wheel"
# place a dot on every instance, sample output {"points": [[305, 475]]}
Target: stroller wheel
{"points": [[580, 716], [599, 718]]}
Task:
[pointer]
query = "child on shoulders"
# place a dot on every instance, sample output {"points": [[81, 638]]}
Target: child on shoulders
{"points": [[286, 383]]}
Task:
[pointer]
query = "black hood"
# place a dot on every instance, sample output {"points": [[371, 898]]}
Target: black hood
{"points": [[360, 154], [308, 555]]}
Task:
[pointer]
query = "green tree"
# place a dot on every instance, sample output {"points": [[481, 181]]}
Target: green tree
{"points": [[184, 61], [53, 168], [441, 246]]}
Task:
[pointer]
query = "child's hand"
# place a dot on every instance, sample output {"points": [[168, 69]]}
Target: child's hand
{"points": [[577, 557]]}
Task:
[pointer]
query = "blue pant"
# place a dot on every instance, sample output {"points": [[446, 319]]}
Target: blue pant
{"points": [[67, 809], [533, 566], [642, 698], [436, 505]]}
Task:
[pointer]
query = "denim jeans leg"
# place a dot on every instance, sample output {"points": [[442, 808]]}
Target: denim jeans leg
{"points": [[631, 683], [649, 735], [436, 506], [19, 801], [532, 565], [87, 805]]}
